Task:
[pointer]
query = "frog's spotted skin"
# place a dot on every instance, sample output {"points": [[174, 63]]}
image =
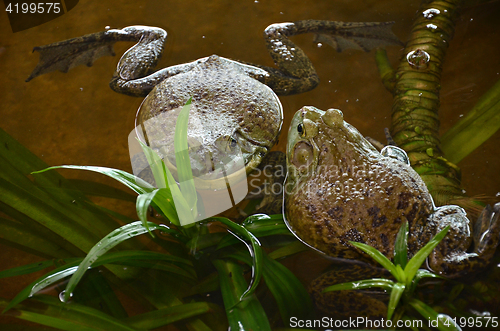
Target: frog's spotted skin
{"points": [[341, 189]]}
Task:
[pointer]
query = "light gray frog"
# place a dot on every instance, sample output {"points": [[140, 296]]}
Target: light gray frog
{"points": [[234, 107]]}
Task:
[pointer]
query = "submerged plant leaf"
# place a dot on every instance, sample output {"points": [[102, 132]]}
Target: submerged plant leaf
{"points": [[242, 315], [254, 248], [480, 123]]}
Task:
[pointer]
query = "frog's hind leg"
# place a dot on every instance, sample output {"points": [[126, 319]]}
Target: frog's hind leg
{"points": [[295, 73], [451, 257]]}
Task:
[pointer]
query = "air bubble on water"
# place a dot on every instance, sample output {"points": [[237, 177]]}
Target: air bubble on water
{"points": [[61, 296], [107, 27], [418, 59], [461, 115], [319, 44]]}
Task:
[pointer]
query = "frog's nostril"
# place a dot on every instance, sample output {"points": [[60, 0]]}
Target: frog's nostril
{"points": [[333, 117]]}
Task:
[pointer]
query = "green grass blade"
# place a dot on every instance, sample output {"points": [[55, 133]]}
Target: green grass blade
{"points": [[401, 246], [241, 315], [183, 211], [142, 206], [111, 240], [383, 283], [377, 256], [134, 183], [419, 258], [254, 249], [444, 322], [396, 293], [182, 160], [165, 316], [475, 128]]}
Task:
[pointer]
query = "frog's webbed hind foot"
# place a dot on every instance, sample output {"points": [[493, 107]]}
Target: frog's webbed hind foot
{"points": [[452, 257], [137, 62], [358, 35], [295, 73]]}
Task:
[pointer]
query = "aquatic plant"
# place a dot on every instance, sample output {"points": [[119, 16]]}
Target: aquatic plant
{"points": [[189, 249], [415, 85], [407, 275]]}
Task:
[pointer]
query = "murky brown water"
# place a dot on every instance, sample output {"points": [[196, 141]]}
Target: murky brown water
{"points": [[75, 118]]}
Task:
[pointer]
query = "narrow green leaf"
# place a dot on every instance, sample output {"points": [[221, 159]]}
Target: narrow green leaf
{"points": [[47, 310], [26, 269], [183, 211], [288, 250], [419, 258], [255, 251], [482, 121], [111, 240], [125, 257], [444, 322], [383, 283], [136, 184], [260, 225], [241, 315], [182, 160], [401, 246], [142, 205], [18, 235], [292, 298], [377, 256], [396, 293]]}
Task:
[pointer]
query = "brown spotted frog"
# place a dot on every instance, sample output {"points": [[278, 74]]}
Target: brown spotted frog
{"points": [[340, 188], [235, 108]]}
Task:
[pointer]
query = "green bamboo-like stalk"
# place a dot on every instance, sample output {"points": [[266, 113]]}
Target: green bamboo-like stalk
{"points": [[416, 82]]}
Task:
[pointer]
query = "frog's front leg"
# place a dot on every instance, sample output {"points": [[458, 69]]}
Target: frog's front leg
{"points": [[452, 256], [295, 73]]}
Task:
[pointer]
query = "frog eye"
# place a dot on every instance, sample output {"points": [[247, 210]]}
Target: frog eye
{"points": [[233, 142], [300, 129]]}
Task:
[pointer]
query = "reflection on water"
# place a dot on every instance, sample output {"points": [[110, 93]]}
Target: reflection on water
{"points": [[75, 118]]}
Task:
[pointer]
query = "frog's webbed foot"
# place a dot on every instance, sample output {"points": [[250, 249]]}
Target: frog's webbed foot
{"points": [[345, 304], [295, 73], [70, 53], [452, 256], [358, 35]]}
